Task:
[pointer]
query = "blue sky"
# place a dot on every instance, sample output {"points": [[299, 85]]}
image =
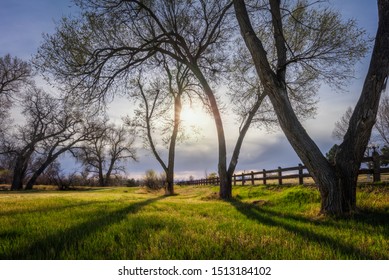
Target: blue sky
{"points": [[22, 23]]}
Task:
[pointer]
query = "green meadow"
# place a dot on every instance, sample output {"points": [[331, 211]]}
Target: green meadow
{"points": [[260, 222]]}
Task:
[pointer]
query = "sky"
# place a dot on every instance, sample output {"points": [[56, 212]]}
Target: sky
{"points": [[22, 23]]}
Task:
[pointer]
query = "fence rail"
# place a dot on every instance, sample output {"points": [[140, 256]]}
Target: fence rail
{"points": [[297, 172]]}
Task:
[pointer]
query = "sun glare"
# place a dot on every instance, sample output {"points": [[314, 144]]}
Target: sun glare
{"points": [[194, 117]]}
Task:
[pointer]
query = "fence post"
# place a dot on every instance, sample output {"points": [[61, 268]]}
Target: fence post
{"points": [[243, 179], [264, 176], [234, 179], [376, 167], [301, 177], [252, 178], [279, 176]]}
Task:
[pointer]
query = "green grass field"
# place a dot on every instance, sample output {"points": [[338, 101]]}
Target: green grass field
{"points": [[261, 222]]}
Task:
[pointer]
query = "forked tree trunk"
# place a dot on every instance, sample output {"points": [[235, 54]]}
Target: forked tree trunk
{"points": [[351, 151], [49, 160], [337, 184], [31, 182]]}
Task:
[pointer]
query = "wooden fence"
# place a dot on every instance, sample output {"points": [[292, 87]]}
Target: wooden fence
{"points": [[297, 172]]}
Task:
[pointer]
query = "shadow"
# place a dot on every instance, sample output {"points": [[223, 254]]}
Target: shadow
{"points": [[7, 190], [51, 246], [281, 220], [50, 209]]}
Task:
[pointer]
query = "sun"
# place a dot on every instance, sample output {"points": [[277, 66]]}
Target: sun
{"points": [[192, 116]]}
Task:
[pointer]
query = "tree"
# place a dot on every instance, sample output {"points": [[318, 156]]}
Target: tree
{"points": [[53, 126], [332, 154], [113, 37], [106, 150], [342, 125], [39, 109], [14, 75], [76, 128], [161, 97], [250, 101], [382, 123], [337, 184]]}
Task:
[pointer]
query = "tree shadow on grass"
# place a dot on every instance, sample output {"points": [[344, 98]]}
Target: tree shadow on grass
{"points": [[297, 225], [51, 246], [45, 209]]}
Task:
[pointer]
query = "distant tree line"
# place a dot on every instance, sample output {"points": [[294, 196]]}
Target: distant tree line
{"points": [[54, 125]]}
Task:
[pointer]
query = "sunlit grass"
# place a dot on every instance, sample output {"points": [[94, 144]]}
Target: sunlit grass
{"points": [[260, 222]]}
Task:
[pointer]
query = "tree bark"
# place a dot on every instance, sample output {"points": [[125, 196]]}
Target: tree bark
{"points": [[351, 151], [20, 168], [337, 184], [18, 176], [225, 191], [172, 147], [49, 160], [242, 134], [31, 182]]}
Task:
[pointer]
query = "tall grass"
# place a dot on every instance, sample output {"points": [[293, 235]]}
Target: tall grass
{"points": [[260, 222]]}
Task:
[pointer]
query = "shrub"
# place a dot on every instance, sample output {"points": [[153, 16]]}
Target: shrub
{"points": [[152, 181]]}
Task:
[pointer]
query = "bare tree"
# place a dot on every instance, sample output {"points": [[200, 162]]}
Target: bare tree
{"points": [[53, 126], [382, 123], [76, 127], [337, 183], [14, 74], [40, 111], [250, 100], [109, 147], [113, 37], [159, 112], [342, 125]]}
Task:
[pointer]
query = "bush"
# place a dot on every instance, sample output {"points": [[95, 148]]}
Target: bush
{"points": [[152, 181]]}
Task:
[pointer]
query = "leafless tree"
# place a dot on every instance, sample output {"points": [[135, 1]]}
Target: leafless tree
{"points": [[158, 116], [114, 37], [77, 127], [382, 123], [40, 111], [250, 101], [337, 183], [52, 127], [105, 153], [14, 74], [342, 125]]}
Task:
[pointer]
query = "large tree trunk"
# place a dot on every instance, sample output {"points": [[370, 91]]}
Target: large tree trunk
{"points": [[18, 175], [101, 175], [49, 160], [337, 184], [169, 189], [225, 191], [19, 171], [31, 182], [351, 151], [320, 169]]}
